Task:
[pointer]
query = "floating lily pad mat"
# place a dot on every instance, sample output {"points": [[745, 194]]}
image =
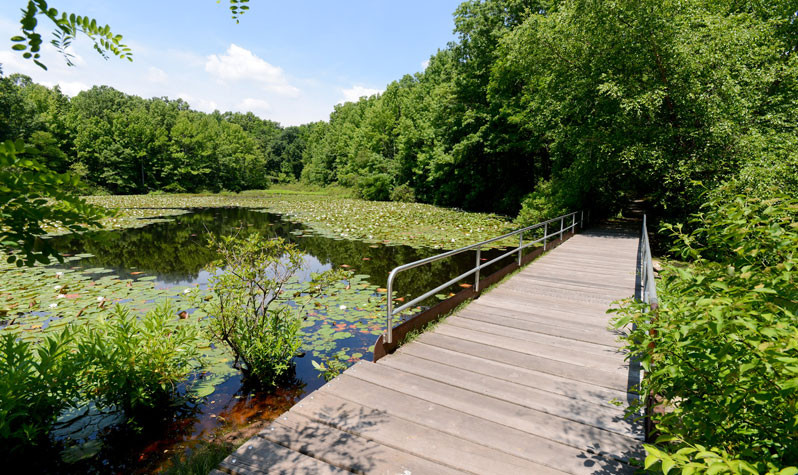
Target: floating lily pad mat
{"points": [[141, 266]]}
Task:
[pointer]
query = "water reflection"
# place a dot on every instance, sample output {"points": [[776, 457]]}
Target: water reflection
{"points": [[176, 252]]}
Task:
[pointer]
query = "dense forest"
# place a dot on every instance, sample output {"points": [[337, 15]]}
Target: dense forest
{"points": [[123, 144], [538, 107]]}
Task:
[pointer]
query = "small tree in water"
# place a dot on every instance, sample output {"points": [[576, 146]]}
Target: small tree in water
{"points": [[250, 313]]}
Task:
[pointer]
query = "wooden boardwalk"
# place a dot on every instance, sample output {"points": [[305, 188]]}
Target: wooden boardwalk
{"points": [[519, 381]]}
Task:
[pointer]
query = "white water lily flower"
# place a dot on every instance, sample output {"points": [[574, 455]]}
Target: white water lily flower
{"points": [[59, 274], [100, 299], [60, 296], [187, 291], [342, 307], [53, 305], [56, 287]]}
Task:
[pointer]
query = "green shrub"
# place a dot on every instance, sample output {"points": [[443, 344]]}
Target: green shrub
{"points": [[375, 187], [403, 193], [137, 364], [250, 315], [36, 385], [722, 350], [540, 205]]}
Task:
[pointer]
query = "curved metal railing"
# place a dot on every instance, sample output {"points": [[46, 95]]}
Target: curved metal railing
{"points": [[478, 265], [648, 287]]}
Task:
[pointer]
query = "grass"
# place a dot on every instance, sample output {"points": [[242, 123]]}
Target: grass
{"points": [[200, 460]]}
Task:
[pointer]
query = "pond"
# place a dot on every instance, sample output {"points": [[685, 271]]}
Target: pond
{"points": [[162, 259]]}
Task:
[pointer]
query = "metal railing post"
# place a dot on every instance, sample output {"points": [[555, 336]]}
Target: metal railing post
{"points": [[582, 220], [573, 223], [562, 226], [520, 246], [389, 324], [476, 279], [545, 234]]}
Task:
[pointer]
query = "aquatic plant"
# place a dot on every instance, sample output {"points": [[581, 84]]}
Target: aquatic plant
{"points": [[36, 384], [330, 367], [250, 314], [412, 224], [137, 364]]}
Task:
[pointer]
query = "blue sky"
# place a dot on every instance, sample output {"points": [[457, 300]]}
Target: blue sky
{"points": [[289, 61]]}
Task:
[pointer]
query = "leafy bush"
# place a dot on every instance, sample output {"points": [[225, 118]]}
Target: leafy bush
{"points": [[540, 205], [375, 187], [36, 384], [137, 364], [251, 316], [403, 193], [32, 196], [722, 350]]}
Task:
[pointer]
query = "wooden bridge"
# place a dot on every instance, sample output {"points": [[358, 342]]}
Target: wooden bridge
{"points": [[525, 379]]}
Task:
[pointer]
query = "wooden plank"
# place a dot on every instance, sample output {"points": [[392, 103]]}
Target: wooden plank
{"points": [[344, 449], [518, 301], [558, 316], [611, 380], [588, 361], [535, 337], [531, 293], [548, 382], [543, 315], [580, 281], [383, 427], [259, 455], [554, 428], [607, 418], [523, 282], [546, 327], [433, 418], [535, 312]]}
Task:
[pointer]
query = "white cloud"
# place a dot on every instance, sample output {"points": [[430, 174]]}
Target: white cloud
{"points": [[241, 64], [70, 88], [199, 104], [424, 64], [354, 93], [13, 62], [254, 105], [156, 75]]}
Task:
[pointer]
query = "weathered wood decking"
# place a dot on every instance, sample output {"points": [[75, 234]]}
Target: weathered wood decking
{"points": [[520, 381]]}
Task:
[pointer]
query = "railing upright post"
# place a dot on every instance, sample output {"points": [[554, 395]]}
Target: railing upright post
{"points": [[573, 224], [562, 226], [520, 245], [582, 220], [545, 234], [389, 324], [476, 279]]}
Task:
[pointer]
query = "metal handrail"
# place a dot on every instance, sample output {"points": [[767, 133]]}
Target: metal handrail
{"points": [[478, 265], [647, 282]]}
